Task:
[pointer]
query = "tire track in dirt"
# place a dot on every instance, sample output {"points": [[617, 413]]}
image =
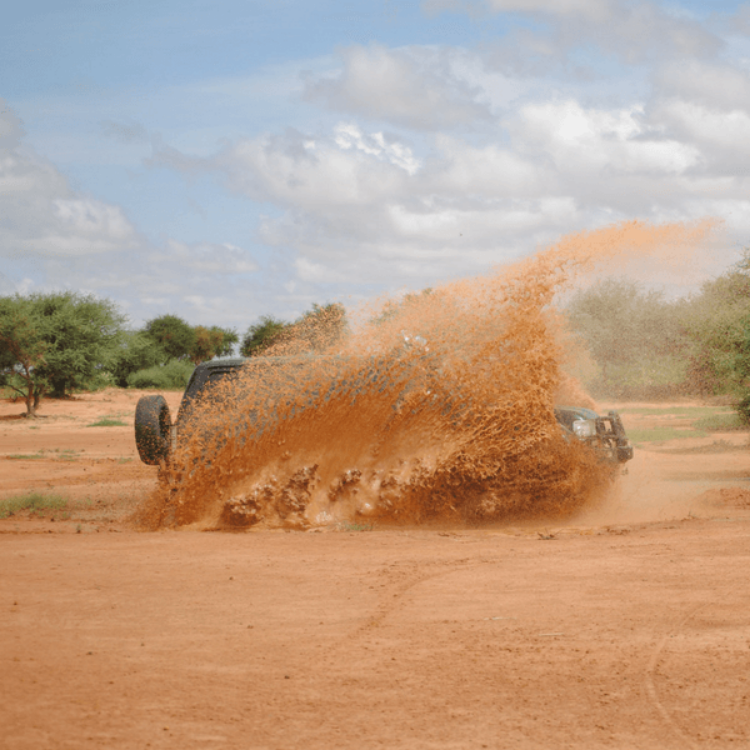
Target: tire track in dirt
{"points": [[392, 598], [651, 687]]}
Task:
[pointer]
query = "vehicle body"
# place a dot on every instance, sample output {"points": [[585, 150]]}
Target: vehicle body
{"points": [[604, 434], [157, 436]]}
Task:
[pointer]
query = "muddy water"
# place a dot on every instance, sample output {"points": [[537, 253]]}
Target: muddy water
{"points": [[437, 408]]}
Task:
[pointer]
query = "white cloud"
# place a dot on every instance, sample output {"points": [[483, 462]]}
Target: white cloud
{"points": [[348, 135], [312, 174], [553, 7], [40, 214], [723, 137], [7, 287], [634, 33], [355, 208], [415, 87], [207, 283], [490, 172], [125, 132], [594, 140], [57, 237], [206, 258], [443, 165], [739, 23], [707, 83]]}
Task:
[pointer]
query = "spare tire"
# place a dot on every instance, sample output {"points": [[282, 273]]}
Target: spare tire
{"points": [[152, 429]]}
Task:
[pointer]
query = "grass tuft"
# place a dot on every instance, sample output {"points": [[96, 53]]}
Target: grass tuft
{"points": [[354, 526], [681, 411], [729, 422], [108, 422], [660, 434], [33, 501], [55, 454]]}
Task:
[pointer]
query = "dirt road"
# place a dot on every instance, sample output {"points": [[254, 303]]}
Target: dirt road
{"points": [[626, 627]]}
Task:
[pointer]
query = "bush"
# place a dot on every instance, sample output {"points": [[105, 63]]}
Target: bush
{"points": [[315, 331], [634, 336], [722, 422], [33, 501], [172, 376], [717, 323], [136, 351], [743, 409]]}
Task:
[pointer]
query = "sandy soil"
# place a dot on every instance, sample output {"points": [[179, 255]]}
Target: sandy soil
{"points": [[626, 627]]}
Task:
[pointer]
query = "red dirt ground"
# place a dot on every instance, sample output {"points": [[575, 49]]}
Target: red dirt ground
{"points": [[626, 627]]}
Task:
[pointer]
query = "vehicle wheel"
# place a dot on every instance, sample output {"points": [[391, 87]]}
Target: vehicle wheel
{"points": [[152, 427]]}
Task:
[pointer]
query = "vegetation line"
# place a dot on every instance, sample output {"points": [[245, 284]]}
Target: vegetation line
{"points": [[33, 501]]}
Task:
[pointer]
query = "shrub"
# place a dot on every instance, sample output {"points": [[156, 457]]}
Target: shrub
{"points": [[136, 351], [743, 409], [634, 336], [729, 422], [172, 376], [33, 501], [108, 422]]}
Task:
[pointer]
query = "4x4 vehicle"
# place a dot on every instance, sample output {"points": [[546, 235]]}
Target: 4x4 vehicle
{"points": [[157, 436]]}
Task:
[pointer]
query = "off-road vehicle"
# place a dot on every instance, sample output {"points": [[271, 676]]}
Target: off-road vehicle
{"points": [[157, 436]]}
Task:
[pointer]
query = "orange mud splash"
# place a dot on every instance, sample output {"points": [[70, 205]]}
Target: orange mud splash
{"points": [[438, 407]]}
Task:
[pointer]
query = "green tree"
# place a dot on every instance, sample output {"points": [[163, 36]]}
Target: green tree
{"points": [[321, 327], [22, 349], [82, 335], [230, 339], [716, 322], [263, 335], [633, 334], [392, 308], [55, 342], [212, 342], [136, 351], [314, 331], [172, 334]]}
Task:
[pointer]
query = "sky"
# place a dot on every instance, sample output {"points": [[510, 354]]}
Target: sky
{"points": [[224, 160]]}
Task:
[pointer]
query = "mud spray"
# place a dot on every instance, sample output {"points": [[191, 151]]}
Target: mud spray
{"points": [[437, 408]]}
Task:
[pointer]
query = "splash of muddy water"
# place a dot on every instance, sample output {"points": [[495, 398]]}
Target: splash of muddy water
{"points": [[438, 407]]}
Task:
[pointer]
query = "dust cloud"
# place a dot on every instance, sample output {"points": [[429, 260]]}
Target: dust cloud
{"points": [[437, 408]]}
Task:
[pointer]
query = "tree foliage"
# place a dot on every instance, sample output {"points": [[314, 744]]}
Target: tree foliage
{"points": [[175, 336], [262, 335], [321, 327], [717, 325], [316, 330], [137, 351], [55, 342], [392, 308], [212, 342], [177, 339], [635, 336], [643, 343], [22, 349], [82, 335]]}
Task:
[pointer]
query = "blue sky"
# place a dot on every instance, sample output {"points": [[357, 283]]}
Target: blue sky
{"points": [[225, 160]]}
